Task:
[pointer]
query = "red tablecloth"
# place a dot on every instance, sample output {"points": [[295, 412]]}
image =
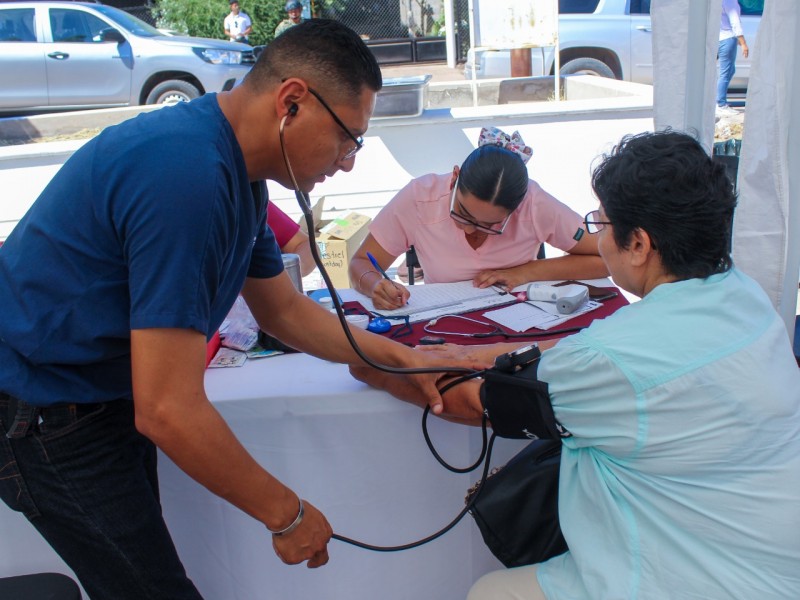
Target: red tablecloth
{"points": [[608, 306]]}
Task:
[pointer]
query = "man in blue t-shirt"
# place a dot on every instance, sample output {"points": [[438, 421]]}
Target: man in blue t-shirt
{"points": [[119, 273]]}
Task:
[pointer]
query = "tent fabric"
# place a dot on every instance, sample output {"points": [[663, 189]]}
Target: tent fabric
{"points": [[766, 242], [685, 42], [766, 237]]}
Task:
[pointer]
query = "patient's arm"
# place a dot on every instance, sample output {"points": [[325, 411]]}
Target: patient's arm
{"points": [[461, 403]]}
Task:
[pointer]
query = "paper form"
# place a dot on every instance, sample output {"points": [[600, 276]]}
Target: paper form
{"points": [[542, 315]]}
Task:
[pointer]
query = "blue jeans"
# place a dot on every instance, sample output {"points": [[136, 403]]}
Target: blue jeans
{"points": [[86, 479], [727, 67]]}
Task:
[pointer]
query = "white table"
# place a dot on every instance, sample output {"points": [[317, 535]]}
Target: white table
{"points": [[356, 453]]}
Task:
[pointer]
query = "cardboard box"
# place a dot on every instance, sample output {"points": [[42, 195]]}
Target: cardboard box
{"points": [[316, 215], [337, 240]]}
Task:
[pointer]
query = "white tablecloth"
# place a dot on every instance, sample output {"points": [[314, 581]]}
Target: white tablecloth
{"points": [[355, 453]]}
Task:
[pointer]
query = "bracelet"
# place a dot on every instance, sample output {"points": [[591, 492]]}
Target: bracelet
{"points": [[358, 284], [297, 520]]}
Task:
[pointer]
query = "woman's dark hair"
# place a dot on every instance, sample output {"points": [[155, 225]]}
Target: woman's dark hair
{"points": [[495, 175], [666, 184], [323, 52]]}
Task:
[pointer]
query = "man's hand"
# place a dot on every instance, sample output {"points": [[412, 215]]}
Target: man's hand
{"points": [[309, 542], [423, 389], [460, 404]]}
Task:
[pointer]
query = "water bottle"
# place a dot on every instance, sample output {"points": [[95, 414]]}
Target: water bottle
{"points": [[291, 262]]}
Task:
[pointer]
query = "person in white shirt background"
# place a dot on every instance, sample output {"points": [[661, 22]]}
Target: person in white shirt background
{"points": [[237, 24]]}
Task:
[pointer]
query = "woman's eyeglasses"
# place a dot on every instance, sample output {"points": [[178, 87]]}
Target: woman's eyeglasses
{"points": [[593, 222], [496, 229], [359, 141]]}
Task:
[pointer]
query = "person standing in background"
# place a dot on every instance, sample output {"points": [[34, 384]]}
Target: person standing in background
{"points": [[238, 25], [294, 9], [730, 34]]}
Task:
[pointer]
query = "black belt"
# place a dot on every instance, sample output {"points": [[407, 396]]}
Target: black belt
{"points": [[21, 416]]}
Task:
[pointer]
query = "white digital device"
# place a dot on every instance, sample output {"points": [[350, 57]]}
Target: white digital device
{"points": [[567, 298], [542, 292]]}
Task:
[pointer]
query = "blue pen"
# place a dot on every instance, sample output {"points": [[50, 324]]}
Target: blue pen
{"points": [[380, 270]]}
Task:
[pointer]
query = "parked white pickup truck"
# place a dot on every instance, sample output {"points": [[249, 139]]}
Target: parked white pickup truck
{"points": [[609, 38]]}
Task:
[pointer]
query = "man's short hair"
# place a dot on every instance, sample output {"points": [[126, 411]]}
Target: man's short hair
{"points": [[666, 184], [325, 53]]}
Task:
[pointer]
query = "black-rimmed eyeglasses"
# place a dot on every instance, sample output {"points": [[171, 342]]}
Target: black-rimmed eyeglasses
{"points": [[593, 222], [496, 229], [359, 141]]}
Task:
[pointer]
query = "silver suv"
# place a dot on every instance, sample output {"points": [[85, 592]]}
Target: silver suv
{"points": [[609, 38], [67, 55]]}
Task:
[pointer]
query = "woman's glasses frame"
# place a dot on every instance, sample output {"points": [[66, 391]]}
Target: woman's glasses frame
{"points": [[458, 218]]}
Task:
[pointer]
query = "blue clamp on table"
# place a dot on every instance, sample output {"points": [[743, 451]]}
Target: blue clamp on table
{"points": [[379, 325]]}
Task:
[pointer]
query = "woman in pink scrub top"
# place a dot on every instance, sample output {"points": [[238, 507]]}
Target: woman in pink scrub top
{"points": [[483, 222]]}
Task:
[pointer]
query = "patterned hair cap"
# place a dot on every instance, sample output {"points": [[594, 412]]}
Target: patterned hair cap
{"points": [[492, 136]]}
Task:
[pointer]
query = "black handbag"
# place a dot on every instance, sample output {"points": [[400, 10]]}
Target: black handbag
{"points": [[516, 508]]}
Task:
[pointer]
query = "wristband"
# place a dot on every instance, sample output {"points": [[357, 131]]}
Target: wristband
{"points": [[358, 284], [294, 524]]}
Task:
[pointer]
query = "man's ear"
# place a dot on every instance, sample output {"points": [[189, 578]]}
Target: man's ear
{"points": [[289, 96]]}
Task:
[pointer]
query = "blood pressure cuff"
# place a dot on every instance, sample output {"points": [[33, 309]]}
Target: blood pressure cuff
{"points": [[518, 405]]}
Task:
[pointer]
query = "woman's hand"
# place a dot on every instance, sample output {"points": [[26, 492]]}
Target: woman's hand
{"points": [[389, 295], [483, 354], [506, 279]]}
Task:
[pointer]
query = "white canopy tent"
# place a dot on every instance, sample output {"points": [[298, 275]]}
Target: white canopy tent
{"points": [[766, 240]]}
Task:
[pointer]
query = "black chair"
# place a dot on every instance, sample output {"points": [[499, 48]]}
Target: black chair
{"points": [[412, 262], [39, 586]]}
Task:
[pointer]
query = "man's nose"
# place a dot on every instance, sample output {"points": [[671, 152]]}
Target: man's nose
{"points": [[346, 164]]}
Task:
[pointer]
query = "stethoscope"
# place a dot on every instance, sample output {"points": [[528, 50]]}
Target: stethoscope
{"points": [[494, 330]]}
